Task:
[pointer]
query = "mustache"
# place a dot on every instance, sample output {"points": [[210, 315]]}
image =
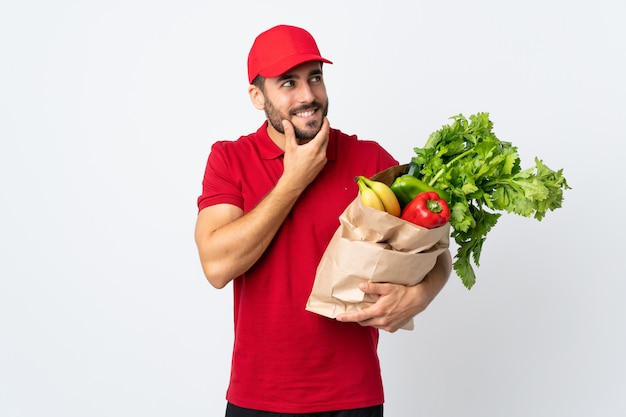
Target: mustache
{"points": [[313, 106]]}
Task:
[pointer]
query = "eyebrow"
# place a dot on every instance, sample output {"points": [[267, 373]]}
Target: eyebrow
{"points": [[289, 75]]}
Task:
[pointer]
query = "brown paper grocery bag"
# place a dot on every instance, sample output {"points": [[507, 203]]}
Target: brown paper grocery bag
{"points": [[372, 245]]}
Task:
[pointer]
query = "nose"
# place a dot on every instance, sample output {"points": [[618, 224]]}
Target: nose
{"points": [[305, 93]]}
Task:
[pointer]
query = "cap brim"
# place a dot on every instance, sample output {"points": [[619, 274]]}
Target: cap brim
{"points": [[284, 65]]}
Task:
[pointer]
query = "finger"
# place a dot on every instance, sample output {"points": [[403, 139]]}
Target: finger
{"points": [[374, 288], [359, 316], [325, 129], [323, 134], [290, 133], [366, 318], [356, 317]]}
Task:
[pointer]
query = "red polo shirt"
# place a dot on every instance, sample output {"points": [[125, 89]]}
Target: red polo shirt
{"points": [[286, 359]]}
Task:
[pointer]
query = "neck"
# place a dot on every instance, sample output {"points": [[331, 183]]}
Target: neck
{"points": [[277, 137]]}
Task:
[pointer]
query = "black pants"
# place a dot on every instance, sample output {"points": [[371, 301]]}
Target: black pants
{"points": [[234, 411]]}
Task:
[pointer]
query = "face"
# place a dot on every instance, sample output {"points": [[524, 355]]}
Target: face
{"points": [[299, 96]]}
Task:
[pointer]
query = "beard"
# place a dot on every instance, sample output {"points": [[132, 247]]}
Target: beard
{"points": [[275, 118]]}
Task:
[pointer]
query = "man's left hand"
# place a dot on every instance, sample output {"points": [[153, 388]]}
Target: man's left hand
{"points": [[397, 304]]}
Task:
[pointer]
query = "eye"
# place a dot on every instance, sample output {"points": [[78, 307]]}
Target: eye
{"points": [[316, 79], [288, 83]]}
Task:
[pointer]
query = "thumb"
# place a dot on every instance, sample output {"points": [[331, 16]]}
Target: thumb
{"points": [[290, 133]]}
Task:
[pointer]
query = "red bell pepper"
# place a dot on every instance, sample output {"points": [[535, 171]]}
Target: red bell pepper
{"points": [[427, 209]]}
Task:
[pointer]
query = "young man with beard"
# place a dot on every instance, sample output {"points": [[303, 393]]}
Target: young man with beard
{"points": [[269, 206]]}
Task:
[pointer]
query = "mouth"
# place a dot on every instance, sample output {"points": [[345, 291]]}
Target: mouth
{"points": [[305, 114]]}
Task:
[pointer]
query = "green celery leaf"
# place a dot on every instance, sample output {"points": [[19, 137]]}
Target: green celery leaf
{"points": [[483, 176]]}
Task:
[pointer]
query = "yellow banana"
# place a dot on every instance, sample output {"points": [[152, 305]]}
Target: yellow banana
{"points": [[368, 196], [386, 196]]}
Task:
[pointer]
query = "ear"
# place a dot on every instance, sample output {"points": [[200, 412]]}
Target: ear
{"points": [[257, 97]]}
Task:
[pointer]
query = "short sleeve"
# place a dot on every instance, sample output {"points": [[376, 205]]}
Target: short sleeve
{"points": [[219, 186]]}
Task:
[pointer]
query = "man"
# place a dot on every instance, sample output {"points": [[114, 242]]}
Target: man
{"points": [[269, 206]]}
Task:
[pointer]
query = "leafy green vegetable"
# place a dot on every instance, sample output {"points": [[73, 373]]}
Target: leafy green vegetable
{"points": [[483, 177]]}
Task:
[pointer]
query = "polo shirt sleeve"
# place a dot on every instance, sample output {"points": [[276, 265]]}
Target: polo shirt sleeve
{"points": [[219, 185]]}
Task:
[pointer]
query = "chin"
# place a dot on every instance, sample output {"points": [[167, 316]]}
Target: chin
{"points": [[306, 136], [309, 131]]}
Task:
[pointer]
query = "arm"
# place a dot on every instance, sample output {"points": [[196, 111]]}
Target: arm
{"points": [[228, 241], [397, 304]]}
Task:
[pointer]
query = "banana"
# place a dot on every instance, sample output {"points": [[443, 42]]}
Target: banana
{"points": [[386, 196], [368, 196]]}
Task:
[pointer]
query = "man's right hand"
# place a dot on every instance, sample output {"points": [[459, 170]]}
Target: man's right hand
{"points": [[302, 163]]}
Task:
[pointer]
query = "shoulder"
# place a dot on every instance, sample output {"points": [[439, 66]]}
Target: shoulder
{"points": [[247, 146], [230, 145], [352, 145], [352, 140]]}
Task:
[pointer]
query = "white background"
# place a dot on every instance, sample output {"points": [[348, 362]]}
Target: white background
{"points": [[107, 113]]}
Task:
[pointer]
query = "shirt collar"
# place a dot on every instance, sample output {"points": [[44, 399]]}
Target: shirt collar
{"points": [[269, 150]]}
